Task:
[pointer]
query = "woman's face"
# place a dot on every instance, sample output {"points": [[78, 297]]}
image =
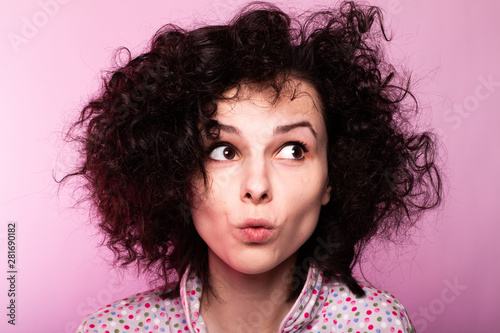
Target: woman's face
{"points": [[268, 179]]}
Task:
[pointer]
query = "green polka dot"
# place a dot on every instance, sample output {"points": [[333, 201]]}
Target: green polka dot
{"points": [[140, 324], [379, 319]]}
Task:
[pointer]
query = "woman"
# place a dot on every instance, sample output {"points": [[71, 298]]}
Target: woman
{"points": [[246, 166]]}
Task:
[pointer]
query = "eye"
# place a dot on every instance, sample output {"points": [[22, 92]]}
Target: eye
{"points": [[292, 151], [223, 153]]}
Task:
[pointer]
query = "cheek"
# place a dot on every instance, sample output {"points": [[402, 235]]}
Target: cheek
{"points": [[208, 213]]}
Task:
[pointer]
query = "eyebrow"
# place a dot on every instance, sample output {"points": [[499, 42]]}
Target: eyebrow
{"points": [[282, 129], [286, 128]]}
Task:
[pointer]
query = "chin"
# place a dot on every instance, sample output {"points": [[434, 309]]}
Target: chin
{"points": [[254, 269], [259, 265]]}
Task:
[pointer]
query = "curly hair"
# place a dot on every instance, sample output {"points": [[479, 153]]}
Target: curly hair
{"points": [[142, 137]]}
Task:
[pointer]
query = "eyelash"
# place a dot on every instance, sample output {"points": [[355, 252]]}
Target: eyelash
{"points": [[301, 144]]}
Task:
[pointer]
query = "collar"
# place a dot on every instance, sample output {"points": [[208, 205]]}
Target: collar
{"points": [[303, 312]]}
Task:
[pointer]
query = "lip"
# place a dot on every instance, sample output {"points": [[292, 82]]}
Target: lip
{"points": [[256, 230], [256, 223]]}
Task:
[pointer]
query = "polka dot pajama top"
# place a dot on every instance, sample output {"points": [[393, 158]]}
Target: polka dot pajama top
{"points": [[323, 306]]}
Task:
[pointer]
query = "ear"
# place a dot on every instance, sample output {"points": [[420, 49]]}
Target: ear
{"points": [[326, 195]]}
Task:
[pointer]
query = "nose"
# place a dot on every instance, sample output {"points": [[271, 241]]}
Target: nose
{"points": [[256, 187]]}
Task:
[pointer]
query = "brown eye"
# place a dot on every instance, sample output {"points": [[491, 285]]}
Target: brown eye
{"points": [[297, 152], [291, 152], [229, 153], [223, 153]]}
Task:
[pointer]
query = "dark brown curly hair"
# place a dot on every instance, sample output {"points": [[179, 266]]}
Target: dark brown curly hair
{"points": [[142, 136]]}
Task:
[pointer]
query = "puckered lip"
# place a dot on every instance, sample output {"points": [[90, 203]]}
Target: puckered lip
{"points": [[253, 222]]}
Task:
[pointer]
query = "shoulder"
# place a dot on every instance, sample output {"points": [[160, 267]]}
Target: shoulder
{"points": [[377, 311], [139, 312]]}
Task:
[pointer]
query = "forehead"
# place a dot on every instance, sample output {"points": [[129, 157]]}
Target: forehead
{"points": [[296, 98]]}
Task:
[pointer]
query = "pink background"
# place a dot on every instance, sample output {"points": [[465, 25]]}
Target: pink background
{"points": [[447, 278]]}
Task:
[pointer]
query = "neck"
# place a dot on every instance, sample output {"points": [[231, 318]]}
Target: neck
{"points": [[246, 303]]}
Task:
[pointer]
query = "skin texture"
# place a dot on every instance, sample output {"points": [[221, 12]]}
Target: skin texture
{"points": [[260, 173]]}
